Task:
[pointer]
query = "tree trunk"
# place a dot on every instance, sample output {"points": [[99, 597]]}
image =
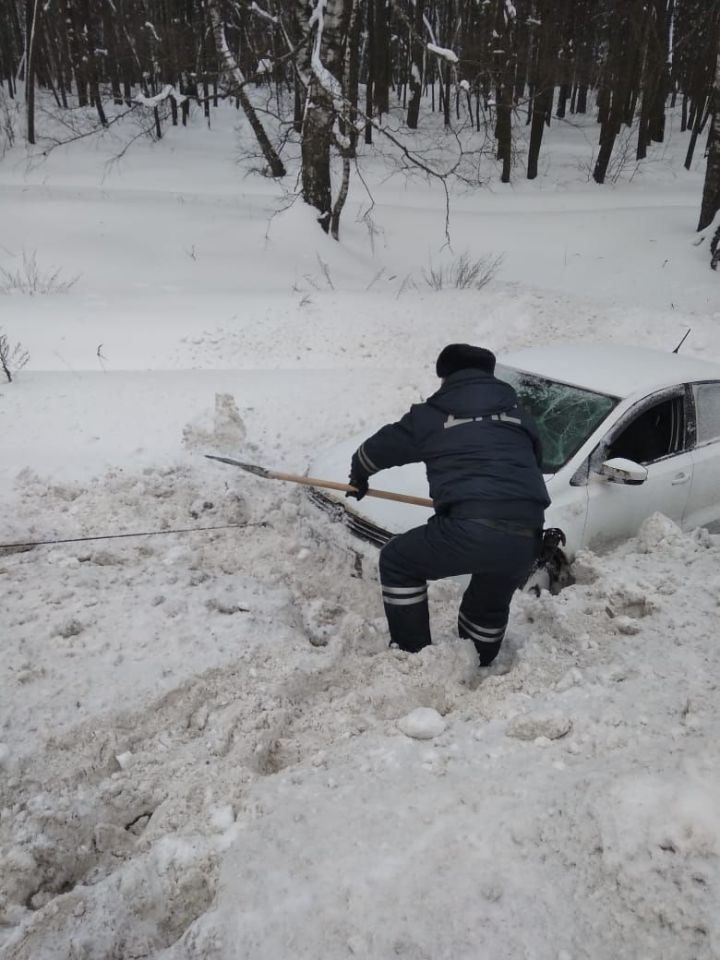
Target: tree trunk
{"points": [[417, 52], [370, 79], [542, 108], [325, 90], [228, 63], [545, 81], [316, 143], [581, 106], [380, 54], [506, 85], [563, 97], [91, 61], [113, 64], [76, 53], [697, 128], [608, 134], [445, 74], [298, 102], [621, 70], [31, 32], [711, 189]]}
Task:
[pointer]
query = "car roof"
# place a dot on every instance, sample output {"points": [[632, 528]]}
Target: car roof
{"points": [[610, 368]]}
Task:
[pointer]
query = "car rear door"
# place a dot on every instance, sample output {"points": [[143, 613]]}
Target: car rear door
{"points": [[653, 433], [703, 505]]}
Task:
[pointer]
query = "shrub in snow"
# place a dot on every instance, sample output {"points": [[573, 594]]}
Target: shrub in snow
{"points": [[13, 357], [463, 273], [31, 280]]}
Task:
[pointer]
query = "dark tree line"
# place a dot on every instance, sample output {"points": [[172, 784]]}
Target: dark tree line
{"points": [[332, 69]]}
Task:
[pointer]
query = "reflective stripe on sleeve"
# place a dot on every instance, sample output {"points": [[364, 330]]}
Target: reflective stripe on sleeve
{"points": [[366, 461]]}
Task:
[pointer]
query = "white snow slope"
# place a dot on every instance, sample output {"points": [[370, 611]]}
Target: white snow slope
{"points": [[201, 734]]}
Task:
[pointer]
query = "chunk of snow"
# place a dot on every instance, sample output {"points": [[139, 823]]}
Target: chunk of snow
{"points": [[423, 723], [627, 625], [540, 725], [222, 818], [443, 52], [342, 141], [152, 30], [263, 13], [153, 101], [658, 530]]}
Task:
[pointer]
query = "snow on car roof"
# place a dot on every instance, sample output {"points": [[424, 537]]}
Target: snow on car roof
{"points": [[611, 368]]}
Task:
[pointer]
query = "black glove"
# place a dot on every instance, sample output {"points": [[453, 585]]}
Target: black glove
{"points": [[361, 487], [358, 479]]}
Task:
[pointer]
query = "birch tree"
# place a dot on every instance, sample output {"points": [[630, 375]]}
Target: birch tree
{"points": [[230, 66], [324, 99]]}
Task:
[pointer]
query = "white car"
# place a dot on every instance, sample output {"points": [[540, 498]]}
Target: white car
{"points": [[626, 432]]}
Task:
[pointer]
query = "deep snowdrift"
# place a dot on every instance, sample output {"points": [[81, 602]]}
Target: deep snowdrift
{"points": [[210, 724], [201, 753]]}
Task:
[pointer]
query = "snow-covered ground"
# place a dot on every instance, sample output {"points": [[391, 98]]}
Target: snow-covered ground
{"points": [[201, 734]]}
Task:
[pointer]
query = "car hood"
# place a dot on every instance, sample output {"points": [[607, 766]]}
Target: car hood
{"points": [[334, 464]]}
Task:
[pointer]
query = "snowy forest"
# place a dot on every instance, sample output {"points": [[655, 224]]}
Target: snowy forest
{"points": [[255, 257], [329, 73]]}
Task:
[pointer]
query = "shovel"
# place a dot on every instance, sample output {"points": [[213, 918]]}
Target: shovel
{"points": [[313, 482]]}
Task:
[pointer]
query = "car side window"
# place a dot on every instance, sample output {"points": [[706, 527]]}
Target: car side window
{"points": [[657, 432], [707, 411]]}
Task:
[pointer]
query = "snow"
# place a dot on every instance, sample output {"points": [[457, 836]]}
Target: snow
{"points": [[263, 13], [201, 751], [326, 80], [166, 91], [619, 371], [423, 723], [443, 52]]}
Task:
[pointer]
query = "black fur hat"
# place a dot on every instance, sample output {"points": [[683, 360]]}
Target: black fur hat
{"points": [[461, 356]]}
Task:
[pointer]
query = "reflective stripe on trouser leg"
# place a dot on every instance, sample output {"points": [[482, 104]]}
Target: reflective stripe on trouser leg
{"points": [[404, 598], [484, 612], [406, 609], [487, 640]]}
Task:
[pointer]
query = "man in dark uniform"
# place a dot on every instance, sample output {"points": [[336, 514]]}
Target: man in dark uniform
{"points": [[483, 460]]}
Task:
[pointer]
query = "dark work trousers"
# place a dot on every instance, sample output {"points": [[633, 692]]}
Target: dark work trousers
{"points": [[498, 562]]}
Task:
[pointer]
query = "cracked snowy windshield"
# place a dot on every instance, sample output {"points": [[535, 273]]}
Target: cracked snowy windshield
{"points": [[565, 415]]}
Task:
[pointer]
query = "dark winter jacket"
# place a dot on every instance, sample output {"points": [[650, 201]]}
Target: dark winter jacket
{"points": [[481, 451]]}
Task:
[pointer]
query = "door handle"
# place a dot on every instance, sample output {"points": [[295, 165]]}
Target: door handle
{"points": [[680, 478]]}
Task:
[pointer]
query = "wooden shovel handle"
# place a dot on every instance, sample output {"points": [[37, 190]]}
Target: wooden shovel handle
{"points": [[332, 485]]}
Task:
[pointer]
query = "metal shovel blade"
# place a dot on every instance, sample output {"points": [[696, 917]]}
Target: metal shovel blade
{"points": [[250, 467]]}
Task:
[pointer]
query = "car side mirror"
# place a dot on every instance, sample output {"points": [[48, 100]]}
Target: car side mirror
{"points": [[622, 470]]}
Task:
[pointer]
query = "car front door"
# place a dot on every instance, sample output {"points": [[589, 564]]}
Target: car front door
{"points": [[703, 506], [652, 433]]}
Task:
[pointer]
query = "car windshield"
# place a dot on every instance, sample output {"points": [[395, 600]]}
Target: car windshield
{"points": [[565, 415]]}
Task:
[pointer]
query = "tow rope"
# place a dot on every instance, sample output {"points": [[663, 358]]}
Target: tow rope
{"points": [[121, 536]]}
